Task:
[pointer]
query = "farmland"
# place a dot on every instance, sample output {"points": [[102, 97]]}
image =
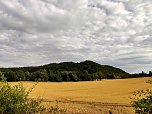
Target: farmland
{"points": [[89, 97]]}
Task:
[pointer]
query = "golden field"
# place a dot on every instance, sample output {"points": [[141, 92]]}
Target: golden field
{"points": [[96, 97]]}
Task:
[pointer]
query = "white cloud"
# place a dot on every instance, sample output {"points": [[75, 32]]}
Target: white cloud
{"points": [[115, 32]]}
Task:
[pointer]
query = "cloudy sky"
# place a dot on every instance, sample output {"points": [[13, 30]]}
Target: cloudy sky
{"points": [[113, 32]]}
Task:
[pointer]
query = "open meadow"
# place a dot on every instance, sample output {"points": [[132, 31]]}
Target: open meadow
{"points": [[96, 97]]}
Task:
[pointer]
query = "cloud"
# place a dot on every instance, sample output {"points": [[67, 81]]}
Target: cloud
{"points": [[114, 32]]}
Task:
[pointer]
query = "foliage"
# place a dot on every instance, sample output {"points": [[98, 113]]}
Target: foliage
{"points": [[15, 100], [142, 101], [56, 110], [40, 75], [2, 78], [149, 81], [65, 71], [10, 75]]}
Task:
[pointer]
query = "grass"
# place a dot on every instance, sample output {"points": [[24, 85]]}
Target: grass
{"points": [[90, 97]]}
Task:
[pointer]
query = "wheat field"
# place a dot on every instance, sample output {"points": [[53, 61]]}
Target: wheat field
{"points": [[96, 97]]}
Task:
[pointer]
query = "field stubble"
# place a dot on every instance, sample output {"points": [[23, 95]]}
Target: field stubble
{"points": [[97, 97]]}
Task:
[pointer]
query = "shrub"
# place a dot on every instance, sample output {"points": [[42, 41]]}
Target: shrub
{"points": [[142, 101], [56, 110], [2, 78], [15, 100]]}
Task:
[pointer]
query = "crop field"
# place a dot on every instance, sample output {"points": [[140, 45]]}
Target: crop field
{"points": [[96, 97]]}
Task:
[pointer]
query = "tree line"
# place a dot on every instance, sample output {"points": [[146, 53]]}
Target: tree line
{"points": [[65, 71], [142, 74]]}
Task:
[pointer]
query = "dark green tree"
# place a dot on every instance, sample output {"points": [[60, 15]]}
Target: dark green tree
{"points": [[150, 73], [28, 76], [11, 76], [51, 75], [58, 77], [65, 76], [20, 75], [73, 77]]}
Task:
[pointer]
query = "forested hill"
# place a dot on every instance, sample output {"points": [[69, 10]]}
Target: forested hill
{"points": [[65, 71]]}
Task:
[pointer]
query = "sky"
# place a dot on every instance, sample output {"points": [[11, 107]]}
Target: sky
{"points": [[110, 32]]}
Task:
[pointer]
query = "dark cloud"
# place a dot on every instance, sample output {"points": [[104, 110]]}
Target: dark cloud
{"points": [[115, 32]]}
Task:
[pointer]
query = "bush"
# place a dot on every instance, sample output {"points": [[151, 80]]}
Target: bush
{"points": [[142, 101], [15, 100], [2, 78], [56, 110]]}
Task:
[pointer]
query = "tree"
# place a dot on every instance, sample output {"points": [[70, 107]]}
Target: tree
{"points": [[142, 72], [84, 75], [43, 75], [20, 75], [93, 76], [65, 76], [73, 77], [27, 76], [100, 75], [58, 77], [150, 73], [10, 75], [51, 75], [40, 75], [110, 76], [35, 76]]}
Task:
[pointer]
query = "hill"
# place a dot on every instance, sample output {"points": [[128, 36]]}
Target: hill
{"points": [[65, 71]]}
